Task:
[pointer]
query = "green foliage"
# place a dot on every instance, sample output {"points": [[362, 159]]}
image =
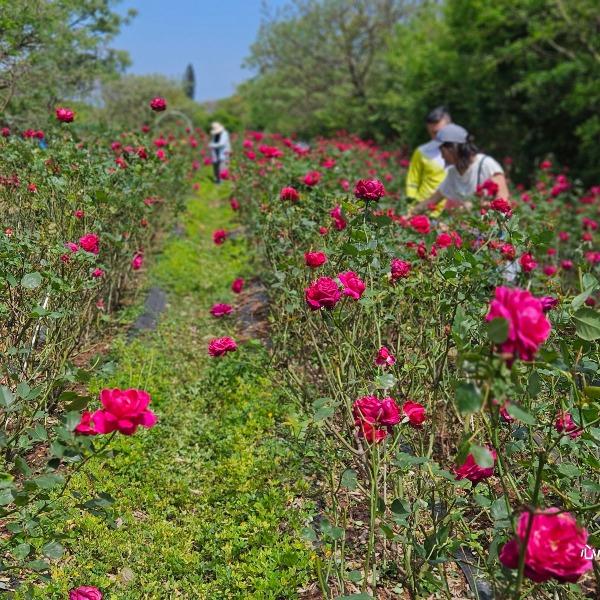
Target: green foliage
{"points": [[201, 500], [53, 50], [125, 99]]}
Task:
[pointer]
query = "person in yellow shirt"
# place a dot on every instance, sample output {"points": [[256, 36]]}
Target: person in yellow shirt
{"points": [[427, 169]]}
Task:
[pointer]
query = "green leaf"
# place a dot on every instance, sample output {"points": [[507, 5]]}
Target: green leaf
{"points": [[400, 507], [349, 480], [21, 551], [324, 413], [361, 596], [38, 565], [6, 397], [483, 457], [31, 280], [385, 381], [587, 324], [53, 550], [497, 330], [48, 481], [6, 496], [468, 398], [520, 414]]}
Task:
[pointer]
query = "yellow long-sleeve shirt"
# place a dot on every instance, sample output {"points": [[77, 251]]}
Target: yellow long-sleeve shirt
{"points": [[426, 171]]}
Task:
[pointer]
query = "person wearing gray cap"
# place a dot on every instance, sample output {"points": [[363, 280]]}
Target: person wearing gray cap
{"points": [[468, 168]]}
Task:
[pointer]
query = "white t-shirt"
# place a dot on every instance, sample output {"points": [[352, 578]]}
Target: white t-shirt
{"points": [[461, 187]]}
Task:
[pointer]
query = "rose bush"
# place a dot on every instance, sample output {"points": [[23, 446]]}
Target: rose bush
{"points": [[480, 324]]}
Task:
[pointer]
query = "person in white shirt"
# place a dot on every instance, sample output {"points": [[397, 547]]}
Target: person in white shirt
{"points": [[468, 168], [220, 148]]}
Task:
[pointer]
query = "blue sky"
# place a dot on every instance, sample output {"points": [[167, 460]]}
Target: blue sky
{"points": [[213, 35]]}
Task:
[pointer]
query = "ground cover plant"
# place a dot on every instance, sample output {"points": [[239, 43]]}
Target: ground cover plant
{"points": [[447, 369]]}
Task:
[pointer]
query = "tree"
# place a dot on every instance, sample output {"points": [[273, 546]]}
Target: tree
{"points": [[189, 82], [125, 100], [317, 63], [51, 50]]}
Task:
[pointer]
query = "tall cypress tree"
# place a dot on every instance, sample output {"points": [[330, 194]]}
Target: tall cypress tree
{"points": [[189, 82]]}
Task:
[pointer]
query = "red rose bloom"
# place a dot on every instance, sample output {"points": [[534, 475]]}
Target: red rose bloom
{"points": [[555, 547], [311, 178], [400, 269], [564, 424], [369, 189], [501, 205], [315, 259], [527, 263], [414, 412], [220, 310], [338, 220], [221, 346], [85, 592], [90, 242], [472, 471], [237, 286], [219, 236], [323, 293], [420, 224], [64, 115], [384, 358], [158, 104], [289, 193], [375, 417]]}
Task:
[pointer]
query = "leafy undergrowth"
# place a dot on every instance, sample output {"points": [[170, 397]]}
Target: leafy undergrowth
{"points": [[202, 500]]}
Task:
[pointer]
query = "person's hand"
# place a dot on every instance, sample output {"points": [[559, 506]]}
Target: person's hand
{"points": [[419, 208]]}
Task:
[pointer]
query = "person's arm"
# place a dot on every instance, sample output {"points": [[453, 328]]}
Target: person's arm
{"points": [[500, 180], [436, 197], [414, 175]]}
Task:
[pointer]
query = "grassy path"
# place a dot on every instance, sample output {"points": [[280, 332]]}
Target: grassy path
{"points": [[202, 500]]}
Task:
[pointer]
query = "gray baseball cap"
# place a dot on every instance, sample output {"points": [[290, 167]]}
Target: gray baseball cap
{"points": [[452, 133]]}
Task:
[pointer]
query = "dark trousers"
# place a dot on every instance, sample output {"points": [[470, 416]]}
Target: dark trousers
{"points": [[217, 171]]}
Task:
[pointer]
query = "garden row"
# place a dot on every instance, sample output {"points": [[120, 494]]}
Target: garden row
{"points": [[80, 208], [448, 371]]}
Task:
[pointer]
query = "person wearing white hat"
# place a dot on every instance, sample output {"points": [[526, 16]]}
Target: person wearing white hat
{"points": [[468, 168], [220, 148]]}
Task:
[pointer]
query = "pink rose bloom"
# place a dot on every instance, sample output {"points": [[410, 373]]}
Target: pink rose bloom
{"points": [[85, 592], [445, 240], [311, 178], [545, 165], [64, 115], [323, 293], [72, 246], [527, 263], [338, 220], [369, 189], [508, 251], [564, 424], [353, 284], [221, 346], [237, 286], [375, 417], [415, 413], [554, 547], [219, 236], [289, 193], [137, 261], [90, 242], [323, 231], [219, 310], [85, 426], [158, 104], [528, 327], [384, 358], [472, 471], [314, 259], [124, 411], [400, 269], [78, 214], [567, 265], [345, 184], [550, 270], [234, 203], [548, 303], [420, 224], [97, 273]]}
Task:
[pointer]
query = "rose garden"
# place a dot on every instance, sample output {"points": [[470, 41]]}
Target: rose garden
{"points": [[290, 384]]}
